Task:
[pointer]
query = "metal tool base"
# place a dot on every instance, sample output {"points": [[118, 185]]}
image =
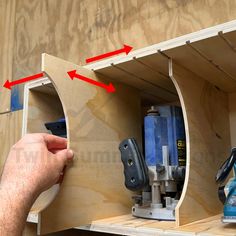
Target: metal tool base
{"points": [[153, 213], [228, 219]]}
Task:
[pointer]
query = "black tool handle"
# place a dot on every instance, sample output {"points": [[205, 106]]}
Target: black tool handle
{"points": [[226, 167], [135, 169]]}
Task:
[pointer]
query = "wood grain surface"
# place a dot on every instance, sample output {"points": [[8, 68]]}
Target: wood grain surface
{"points": [[97, 122], [87, 28], [129, 225], [10, 132], [7, 39], [206, 115], [75, 30]]}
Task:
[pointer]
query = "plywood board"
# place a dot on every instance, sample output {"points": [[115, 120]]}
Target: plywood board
{"points": [[191, 60], [221, 52], [150, 74], [93, 187], [7, 29], [5, 146], [129, 225], [142, 79], [83, 29], [10, 131], [206, 116]]}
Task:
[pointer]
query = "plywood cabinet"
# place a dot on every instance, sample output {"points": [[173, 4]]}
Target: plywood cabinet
{"points": [[186, 71]]}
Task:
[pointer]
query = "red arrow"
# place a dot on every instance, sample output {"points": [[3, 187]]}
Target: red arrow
{"points": [[110, 88], [8, 84], [125, 49]]}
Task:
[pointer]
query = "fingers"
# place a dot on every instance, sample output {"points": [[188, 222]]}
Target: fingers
{"points": [[54, 142], [54, 151], [64, 156], [61, 177]]}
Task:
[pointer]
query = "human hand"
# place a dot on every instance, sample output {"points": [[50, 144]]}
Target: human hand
{"points": [[35, 163]]}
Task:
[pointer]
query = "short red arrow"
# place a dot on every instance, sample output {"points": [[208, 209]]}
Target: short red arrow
{"points": [[110, 88], [8, 84], [125, 49]]}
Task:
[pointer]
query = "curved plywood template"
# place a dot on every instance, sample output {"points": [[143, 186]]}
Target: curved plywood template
{"points": [[93, 187], [206, 115]]}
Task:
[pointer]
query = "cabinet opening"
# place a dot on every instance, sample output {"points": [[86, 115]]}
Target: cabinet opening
{"points": [[43, 113], [44, 110], [163, 141]]}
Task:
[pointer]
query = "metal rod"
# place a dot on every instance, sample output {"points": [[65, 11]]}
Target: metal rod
{"points": [[156, 193]]}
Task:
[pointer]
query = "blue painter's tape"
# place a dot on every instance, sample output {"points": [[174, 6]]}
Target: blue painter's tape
{"points": [[16, 98]]}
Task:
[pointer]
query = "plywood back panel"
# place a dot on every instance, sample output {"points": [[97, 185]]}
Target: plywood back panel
{"points": [[75, 30], [93, 187], [9, 135], [42, 108], [7, 28], [221, 51], [206, 115]]}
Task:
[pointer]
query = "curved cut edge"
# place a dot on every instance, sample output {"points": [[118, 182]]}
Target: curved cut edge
{"points": [[93, 187], [182, 102], [47, 197]]}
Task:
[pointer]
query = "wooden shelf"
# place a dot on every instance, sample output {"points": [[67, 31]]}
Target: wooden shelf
{"points": [[188, 70], [129, 225], [210, 53]]}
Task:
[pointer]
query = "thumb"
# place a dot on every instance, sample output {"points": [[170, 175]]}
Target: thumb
{"points": [[64, 156]]}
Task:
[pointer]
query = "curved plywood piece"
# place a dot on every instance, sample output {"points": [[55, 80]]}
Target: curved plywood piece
{"points": [[93, 187], [206, 115]]}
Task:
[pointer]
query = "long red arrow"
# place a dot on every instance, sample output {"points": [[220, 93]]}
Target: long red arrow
{"points": [[125, 49], [8, 84], [110, 88]]}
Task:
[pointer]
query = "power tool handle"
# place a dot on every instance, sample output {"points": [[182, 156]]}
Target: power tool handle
{"points": [[135, 169], [226, 167]]}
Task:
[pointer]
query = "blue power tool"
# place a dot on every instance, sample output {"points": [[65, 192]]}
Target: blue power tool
{"points": [[160, 175], [227, 194], [57, 128]]}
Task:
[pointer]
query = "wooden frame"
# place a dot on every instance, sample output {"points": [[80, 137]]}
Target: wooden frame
{"points": [[189, 64]]}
